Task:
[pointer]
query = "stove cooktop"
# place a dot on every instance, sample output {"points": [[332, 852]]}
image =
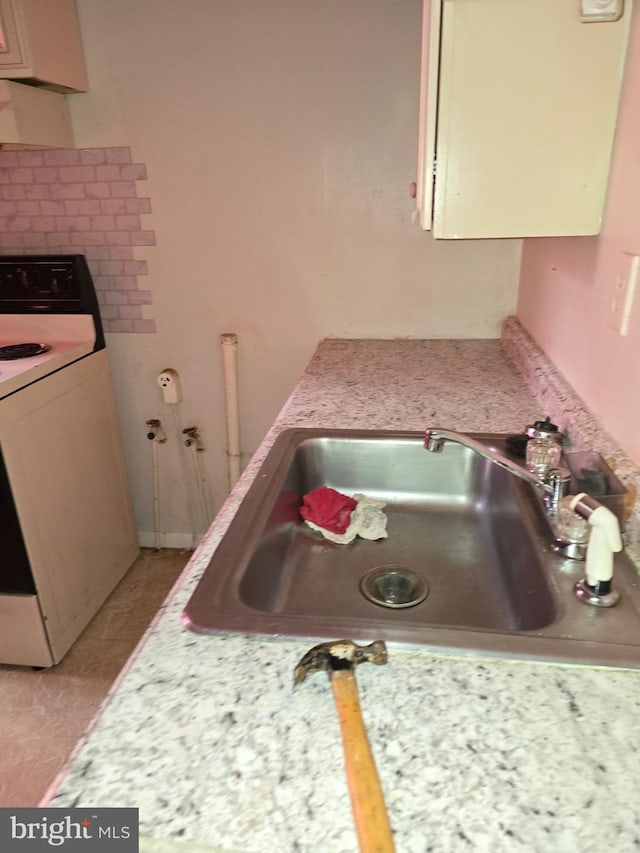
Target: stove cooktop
{"points": [[48, 300], [11, 352], [67, 337]]}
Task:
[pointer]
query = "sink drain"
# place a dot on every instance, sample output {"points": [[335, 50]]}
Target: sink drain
{"points": [[393, 586]]}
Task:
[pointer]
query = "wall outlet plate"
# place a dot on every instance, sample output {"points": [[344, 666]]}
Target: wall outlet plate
{"points": [[169, 384], [624, 292]]}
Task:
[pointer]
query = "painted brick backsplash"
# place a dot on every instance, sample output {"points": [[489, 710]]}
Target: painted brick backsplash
{"points": [[59, 201]]}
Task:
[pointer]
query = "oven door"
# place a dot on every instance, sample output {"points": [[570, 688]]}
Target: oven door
{"points": [[23, 636]]}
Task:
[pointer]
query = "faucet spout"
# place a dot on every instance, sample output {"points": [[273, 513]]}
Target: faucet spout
{"points": [[434, 439]]}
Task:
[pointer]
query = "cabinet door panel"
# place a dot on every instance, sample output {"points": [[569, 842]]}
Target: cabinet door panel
{"points": [[11, 50], [528, 99]]}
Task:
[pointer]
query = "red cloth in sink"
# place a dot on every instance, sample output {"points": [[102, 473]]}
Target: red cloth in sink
{"points": [[328, 509]]}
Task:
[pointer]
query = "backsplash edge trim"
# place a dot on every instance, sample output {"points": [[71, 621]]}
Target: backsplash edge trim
{"points": [[560, 402]]}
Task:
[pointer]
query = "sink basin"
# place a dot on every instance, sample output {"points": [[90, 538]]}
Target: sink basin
{"points": [[467, 565]]}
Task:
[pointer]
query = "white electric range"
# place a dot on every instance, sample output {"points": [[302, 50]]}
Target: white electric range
{"points": [[67, 531]]}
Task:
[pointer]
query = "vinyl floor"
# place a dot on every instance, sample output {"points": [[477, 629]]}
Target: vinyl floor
{"points": [[44, 713]]}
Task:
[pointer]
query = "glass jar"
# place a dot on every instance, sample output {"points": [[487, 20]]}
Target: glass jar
{"points": [[542, 454]]}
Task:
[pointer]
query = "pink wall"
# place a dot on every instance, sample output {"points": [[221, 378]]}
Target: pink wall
{"points": [[567, 285], [82, 201]]}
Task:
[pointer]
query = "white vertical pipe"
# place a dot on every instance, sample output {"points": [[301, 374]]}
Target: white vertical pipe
{"points": [[229, 345], [156, 493], [157, 436]]}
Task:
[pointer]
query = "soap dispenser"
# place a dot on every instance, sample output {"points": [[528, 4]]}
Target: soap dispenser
{"points": [[542, 454], [517, 444], [544, 429], [544, 447]]}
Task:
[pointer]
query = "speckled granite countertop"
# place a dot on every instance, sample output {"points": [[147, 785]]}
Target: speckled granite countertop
{"points": [[207, 737]]}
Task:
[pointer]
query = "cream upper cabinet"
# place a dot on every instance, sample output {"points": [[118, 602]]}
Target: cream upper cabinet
{"points": [[518, 108], [40, 44]]}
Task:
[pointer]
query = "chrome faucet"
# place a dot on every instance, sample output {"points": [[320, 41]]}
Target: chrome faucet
{"points": [[434, 438], [605, 535]]}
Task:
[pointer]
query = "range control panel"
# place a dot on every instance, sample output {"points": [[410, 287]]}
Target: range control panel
{"points": [[45, 283], [49, 284]]}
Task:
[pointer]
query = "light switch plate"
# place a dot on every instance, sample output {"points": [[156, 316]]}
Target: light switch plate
{"points": [[592, 11], [624, 293]]}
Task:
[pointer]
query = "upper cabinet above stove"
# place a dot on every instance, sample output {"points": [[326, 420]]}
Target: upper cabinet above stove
{"points": [[40, 44], [41, 62], [519, 102], [33, 118]]}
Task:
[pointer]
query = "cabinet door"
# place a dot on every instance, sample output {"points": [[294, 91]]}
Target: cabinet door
{"points": [[40, 41], [11, 52], [527, 107]]}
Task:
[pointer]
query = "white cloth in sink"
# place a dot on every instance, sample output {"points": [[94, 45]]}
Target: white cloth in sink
{"points": [[367, 521]]}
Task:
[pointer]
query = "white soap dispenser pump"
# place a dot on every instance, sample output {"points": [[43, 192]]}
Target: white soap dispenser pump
{"points": [[604, 541]]}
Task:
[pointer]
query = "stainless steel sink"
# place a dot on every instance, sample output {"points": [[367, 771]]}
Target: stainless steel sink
{"points": [[468, 542]]}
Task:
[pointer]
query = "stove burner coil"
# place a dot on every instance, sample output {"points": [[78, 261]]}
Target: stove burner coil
{"points": [[13, 351]]}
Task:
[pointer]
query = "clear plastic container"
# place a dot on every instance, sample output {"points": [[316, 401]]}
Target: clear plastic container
{"points": [[591, 474]]}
